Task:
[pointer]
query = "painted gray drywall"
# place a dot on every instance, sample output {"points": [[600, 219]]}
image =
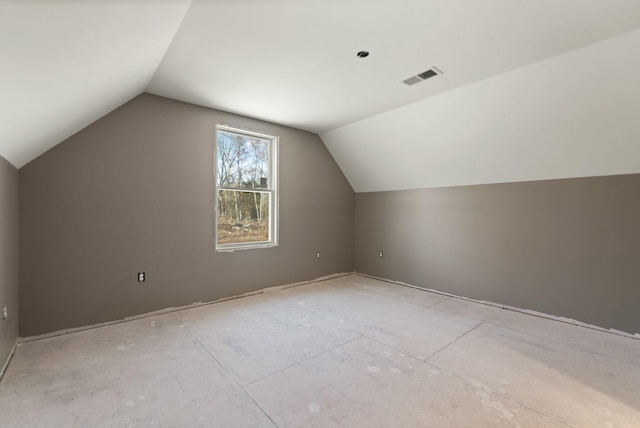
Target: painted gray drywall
{"points": [[8, 257], [134, 192], [564, 247]]}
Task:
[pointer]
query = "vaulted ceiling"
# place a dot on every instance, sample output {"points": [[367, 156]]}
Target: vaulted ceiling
{"points": [[66, 63]]}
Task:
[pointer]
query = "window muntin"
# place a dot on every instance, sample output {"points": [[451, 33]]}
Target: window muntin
{"points": [[246, 189]]}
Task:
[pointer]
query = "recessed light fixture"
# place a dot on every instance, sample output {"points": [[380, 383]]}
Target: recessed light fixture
{"points": [[362, 54]]}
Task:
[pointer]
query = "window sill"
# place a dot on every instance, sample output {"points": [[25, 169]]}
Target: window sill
{"points": [[239, 247]]}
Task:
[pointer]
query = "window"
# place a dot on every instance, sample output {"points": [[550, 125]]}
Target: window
{"points": [[246, 188]]}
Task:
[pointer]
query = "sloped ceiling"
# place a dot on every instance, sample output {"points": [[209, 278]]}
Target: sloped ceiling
{"points": [[574, 115], [67, 63]]}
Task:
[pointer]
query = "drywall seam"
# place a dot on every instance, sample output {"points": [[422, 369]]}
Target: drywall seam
{"points": [[22, 340], [511, 308], [6, 363]]}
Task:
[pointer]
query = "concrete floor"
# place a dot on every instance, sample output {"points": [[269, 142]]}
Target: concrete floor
{"points": [[350, 352]]}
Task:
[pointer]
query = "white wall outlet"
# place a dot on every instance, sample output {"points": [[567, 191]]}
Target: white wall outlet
{"points": [[5, 314], [380, 254], [317, 254], [141, 276]]}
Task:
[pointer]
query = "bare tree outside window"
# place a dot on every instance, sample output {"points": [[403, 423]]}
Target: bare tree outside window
{"points": [[245, 182]]}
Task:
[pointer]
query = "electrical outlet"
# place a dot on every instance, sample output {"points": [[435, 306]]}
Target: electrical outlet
{"points": [[318, 255], [141, 276], [380, 254], [4, 313]]}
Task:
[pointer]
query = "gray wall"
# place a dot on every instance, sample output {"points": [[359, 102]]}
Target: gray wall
{"points": [[564, 247], [8, 257], [134, 192]]}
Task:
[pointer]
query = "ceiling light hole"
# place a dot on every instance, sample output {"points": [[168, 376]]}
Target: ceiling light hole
{"points": [[362, 54]]}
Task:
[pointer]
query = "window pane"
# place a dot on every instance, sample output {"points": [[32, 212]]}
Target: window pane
{"points": [[243, 216], [242, 161]]}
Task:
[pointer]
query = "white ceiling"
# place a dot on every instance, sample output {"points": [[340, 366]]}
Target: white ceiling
{"points": [[294, 61], [573, 115], [67, 63]]}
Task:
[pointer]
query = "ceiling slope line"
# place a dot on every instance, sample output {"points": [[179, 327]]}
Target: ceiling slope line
{"points": [[178, 27]]}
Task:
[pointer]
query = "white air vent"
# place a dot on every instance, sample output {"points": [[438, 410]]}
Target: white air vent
{"points": [[412, 80], [422, 76]]}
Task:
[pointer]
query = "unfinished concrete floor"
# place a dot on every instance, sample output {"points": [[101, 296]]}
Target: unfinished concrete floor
{"points": [[349, 352]]}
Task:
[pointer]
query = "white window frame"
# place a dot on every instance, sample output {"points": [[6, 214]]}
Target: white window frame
{"points": [[272, 189]]}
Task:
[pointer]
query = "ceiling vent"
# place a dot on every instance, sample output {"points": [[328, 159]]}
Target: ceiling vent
{"points": [[422, 76]]}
